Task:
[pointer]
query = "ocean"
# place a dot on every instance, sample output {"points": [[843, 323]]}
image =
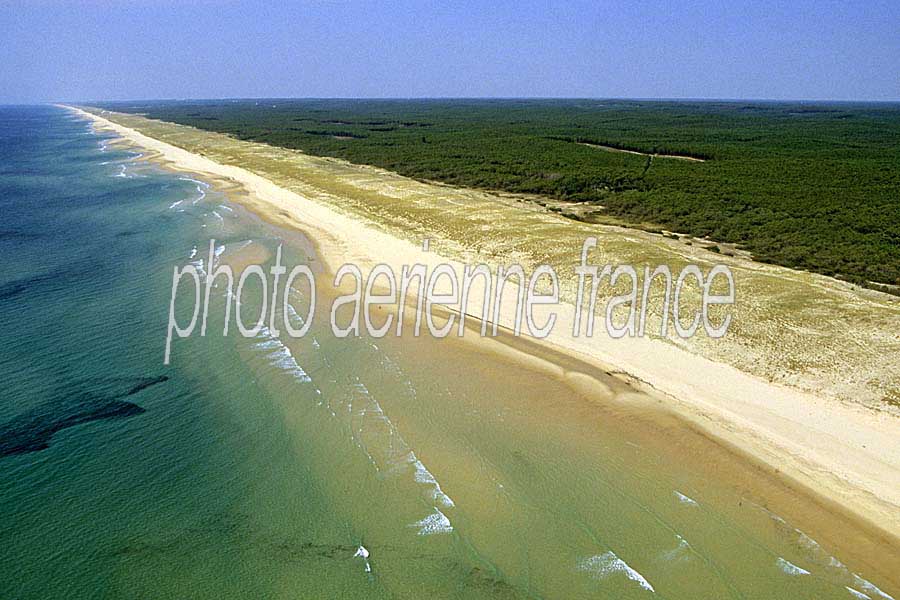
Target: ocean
{"points": [[321, 467]]}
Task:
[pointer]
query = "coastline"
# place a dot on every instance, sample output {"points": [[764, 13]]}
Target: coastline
{"points": [[848, 454]]}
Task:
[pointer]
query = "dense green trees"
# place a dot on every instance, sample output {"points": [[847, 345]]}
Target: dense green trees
{"points": [[809, 186]]}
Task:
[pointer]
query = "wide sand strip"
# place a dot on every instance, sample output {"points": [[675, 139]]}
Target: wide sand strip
{"points": [[846, 451]]}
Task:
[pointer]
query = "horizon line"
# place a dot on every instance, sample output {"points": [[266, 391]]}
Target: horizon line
{"points": [[463, 98]]}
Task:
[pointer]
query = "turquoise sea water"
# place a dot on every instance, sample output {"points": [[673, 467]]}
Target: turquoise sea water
{"points": [[257, 468]]}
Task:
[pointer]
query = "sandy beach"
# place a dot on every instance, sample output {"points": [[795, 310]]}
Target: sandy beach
{"points": [[847, 452]]}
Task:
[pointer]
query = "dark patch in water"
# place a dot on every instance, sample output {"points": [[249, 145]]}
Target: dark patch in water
{"points": [[293, 550], [33, 430], [237, 530], [14, 288], [55, 280], [145, 383], [488, 584], [12, 234]]}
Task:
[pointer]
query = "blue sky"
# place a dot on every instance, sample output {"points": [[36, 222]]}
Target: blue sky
{"points": [[131, 49]]}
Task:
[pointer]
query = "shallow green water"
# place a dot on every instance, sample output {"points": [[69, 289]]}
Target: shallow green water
{"points": [[255, 468]]}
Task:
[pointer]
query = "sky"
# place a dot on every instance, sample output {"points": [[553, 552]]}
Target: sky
{"points": [[65, 50]]}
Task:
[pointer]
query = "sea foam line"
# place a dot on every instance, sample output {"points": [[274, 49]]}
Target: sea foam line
{"points": [[280, 355], [374, 433], [818, 554], [685, 499], [603, 565], [370, 427], [202, 186], [871, 587], [857, 593], [404, 456], [436, 522], [198, 264], [790, 568], [678, 553]]}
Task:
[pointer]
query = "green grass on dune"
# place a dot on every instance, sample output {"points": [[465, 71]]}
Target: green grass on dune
{"points": [[809, 186]]}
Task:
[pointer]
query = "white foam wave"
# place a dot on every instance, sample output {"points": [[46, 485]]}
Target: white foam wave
{"points": [[809, 543], [423, 475], [819, 555], [685, 499], [374, 433], [603, 565], [679, 552], [790, 568], [387, 450], [376, 436], [292, 313], [176, 203], [198, 264], [202, 186], [436, 522], [871, 587], [197, 181], [280, 355], [857, 593], [772, 515]]}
